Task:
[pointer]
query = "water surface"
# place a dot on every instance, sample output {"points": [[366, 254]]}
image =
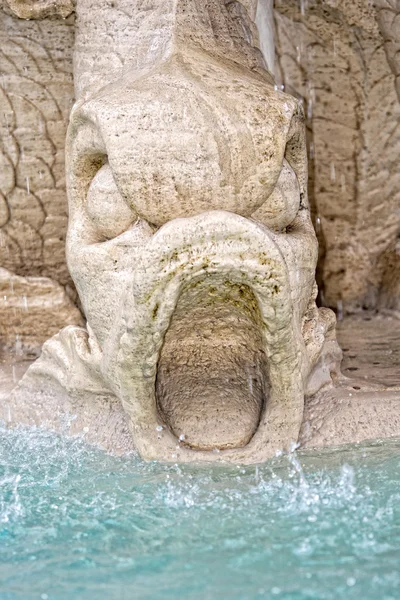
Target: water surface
{"points": [[78, 524]]}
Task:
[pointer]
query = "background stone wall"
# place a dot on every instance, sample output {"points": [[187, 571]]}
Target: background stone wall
{"points": [[36, 95], [336, 55], [36, 92]]}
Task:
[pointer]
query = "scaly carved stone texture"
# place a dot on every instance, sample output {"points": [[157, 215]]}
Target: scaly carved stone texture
{"points": [[36, 94], [333, 56], [388, 18], [36, 91]]}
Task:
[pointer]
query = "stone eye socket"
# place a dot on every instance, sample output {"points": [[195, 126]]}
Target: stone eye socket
{"points": [[105, 207]]}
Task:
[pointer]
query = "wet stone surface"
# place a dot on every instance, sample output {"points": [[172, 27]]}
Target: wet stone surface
{"points": [[371, 348]]}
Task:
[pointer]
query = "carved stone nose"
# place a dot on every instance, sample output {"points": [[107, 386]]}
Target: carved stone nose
{"points": [[183, 141]]}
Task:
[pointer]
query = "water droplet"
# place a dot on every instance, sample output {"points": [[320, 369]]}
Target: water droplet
{"points": [[275, 590], [339, 310], [18, 345], [309, 109], [312, 518]]}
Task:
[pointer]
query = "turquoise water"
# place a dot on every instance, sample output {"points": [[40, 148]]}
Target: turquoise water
{"points": [[78, 524]]}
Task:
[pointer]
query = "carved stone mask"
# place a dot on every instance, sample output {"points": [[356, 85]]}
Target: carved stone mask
{"points": [[190, 241]]}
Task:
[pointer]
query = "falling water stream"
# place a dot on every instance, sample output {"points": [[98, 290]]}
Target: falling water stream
{"points": [[76, 523]]}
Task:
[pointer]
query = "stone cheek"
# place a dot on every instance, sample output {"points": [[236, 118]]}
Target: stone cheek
{"points": [[105, 206]]}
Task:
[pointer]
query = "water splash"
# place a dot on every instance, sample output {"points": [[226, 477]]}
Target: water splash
{"points": [[333, 172], [10, 504], [309, 109], [343, 183], [81, 524]]}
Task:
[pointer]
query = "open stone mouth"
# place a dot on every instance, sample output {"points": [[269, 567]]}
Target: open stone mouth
{"points": [[212, 380], [208, 355]]}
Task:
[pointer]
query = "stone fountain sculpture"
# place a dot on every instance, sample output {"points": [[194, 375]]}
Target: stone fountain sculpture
{"points": [[190, 243]]}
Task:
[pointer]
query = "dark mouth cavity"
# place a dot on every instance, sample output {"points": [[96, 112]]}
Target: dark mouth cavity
{"points": [[212, 381]]}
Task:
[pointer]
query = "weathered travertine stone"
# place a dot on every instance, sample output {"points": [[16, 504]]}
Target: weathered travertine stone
{"points": [[36, 94], [32, 309], [332, 54], [388, 19], [364, 403], [38, 9], [354, 179], [190, 240], [191, 245]]}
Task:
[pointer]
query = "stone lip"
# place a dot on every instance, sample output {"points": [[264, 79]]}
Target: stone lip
{"points": [[220, 246]]}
